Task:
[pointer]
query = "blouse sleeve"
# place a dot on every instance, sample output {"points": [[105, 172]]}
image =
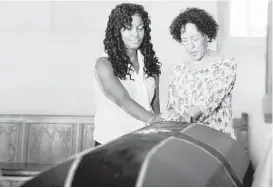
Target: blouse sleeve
{"points": [[170, 100], [223, 85]]}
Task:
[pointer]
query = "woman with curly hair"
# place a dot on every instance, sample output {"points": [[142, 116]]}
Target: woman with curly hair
{"points": [[200, 86], [127, 78]]}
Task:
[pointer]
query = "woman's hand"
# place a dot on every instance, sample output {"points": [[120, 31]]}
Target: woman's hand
{"points": [[156, 118], [186, 118], [170, 115], [194, 112]]}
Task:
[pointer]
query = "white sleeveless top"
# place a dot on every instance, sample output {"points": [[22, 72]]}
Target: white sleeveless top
{"points": [[110, 120]]}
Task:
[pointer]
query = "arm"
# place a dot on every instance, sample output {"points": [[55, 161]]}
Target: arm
{"points": [[116, 92], [155, 102], [223, 87]]}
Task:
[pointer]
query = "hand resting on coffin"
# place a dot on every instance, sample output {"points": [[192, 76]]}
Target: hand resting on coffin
{"points": [[191, 115], [170, 115]]}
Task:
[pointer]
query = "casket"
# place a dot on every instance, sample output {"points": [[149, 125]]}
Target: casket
{"points": [[162, 154]]}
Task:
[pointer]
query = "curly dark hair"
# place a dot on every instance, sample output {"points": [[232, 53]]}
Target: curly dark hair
{"points": [[203, 21], [121, 18]]}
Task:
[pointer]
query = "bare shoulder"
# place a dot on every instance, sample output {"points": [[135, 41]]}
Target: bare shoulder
{"points": [[103, 66]]}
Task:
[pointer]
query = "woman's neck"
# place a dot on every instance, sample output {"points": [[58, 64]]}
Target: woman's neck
{"points": [[206, 60], [132, 54]]}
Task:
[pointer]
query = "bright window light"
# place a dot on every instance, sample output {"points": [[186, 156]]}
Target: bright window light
{"points": [[248, 18]]}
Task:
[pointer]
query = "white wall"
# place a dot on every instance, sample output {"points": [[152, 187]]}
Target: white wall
{"points": [[47, 61], [48, 50], [250, 89], [249, 53]]}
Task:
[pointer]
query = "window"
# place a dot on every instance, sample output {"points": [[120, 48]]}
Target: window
{"points": [[248, 18]]}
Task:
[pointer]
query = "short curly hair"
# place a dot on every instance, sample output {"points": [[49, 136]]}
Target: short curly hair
{"points": [[120, 18], [203, 21]]}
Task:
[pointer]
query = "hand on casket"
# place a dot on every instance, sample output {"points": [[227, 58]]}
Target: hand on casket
{"points": [[167, 115], [171, 115], [156, 118]]}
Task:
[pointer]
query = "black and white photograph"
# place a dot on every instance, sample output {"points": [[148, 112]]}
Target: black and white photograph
{"points": [[155, 93]]}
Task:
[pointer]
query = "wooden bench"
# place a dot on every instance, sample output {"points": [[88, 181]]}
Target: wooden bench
{"points": [[14, 174], [31, 142]]}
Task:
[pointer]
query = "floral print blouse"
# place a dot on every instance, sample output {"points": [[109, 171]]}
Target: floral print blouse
{"points": [[209, 88]]}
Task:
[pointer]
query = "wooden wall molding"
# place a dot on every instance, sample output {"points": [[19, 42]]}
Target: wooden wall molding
{"points": [[43, 139]]}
